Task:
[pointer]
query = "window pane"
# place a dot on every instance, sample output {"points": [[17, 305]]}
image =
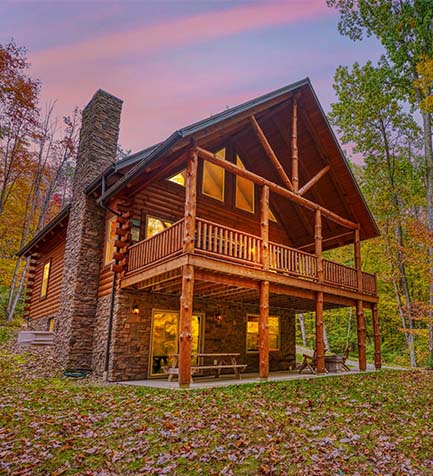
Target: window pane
{"points": [[272, 216], [156, 225], [213, 178], [253, 333], [244, 190], [179, 178], [135, 230], [45, 277], [110, 236]]}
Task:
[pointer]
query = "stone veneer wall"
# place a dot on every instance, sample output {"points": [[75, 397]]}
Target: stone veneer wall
{"points": [[130, 346], [40, 324], [84, 241]]}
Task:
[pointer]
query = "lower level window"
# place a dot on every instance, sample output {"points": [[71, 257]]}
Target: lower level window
{"points": [[51, 324], [253, 333]]}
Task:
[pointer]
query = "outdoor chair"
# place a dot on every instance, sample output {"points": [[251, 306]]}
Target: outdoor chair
{"points": [[308, 362]]}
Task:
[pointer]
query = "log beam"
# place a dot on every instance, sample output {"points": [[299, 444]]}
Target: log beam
{"points": [[320, 344], [264, 330], [295, 172], [185, 325], [264, 226], [314, 180], [190, 203], [362, 358], [273, 187], [270, 153], [376, 331]]}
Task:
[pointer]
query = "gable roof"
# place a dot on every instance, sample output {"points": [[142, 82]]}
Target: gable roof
{"points": [[124, 171]]}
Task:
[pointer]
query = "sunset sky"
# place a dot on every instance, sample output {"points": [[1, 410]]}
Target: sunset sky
{"points": [[177, 61]]}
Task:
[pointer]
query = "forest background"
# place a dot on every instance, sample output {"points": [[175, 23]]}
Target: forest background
{"points": [[383, 112]]}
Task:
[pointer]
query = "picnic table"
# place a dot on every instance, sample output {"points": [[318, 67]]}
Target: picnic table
{"points": [[213, 362]]}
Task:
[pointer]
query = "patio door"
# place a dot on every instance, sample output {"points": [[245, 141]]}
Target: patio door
{"points": [[165, 338]]}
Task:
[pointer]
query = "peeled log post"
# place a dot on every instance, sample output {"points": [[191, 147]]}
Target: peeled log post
{"points": [[190, 203], [362, 358], [295, 174], [318, 245], [320, 345], [185, 325], [357, 246], [376, 331], [264, 226], [264, 330]]}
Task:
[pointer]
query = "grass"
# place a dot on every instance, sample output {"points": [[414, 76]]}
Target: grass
{"points": [[373, 424]]}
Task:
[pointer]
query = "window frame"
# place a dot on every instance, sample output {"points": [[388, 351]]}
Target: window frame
{"points": [[107, 240], [47, 281], [248, 351]]}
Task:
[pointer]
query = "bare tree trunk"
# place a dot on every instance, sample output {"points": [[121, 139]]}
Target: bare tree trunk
{"points": [[302, 326]]}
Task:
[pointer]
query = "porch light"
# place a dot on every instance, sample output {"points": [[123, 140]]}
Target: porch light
{"points": [[218, 317], [135, 309]]}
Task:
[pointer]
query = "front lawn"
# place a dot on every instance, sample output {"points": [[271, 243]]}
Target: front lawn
{"points": [[378, 424]]}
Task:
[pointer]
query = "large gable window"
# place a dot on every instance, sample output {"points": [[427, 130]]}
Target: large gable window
{"points": [[213, 178], [244, 190], [179, 178]]}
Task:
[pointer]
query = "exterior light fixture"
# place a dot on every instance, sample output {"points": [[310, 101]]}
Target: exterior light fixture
{"points": [[135, 309], [218, 316]]}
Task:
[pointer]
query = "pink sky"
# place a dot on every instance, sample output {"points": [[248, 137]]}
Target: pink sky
{"points": [[177, 62]]}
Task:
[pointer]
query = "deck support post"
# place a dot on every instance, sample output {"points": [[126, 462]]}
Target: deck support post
{"points": [[320, 344], [185, 325], [360, 320], [294, 142], [264, 226], [264, 330], [376, 331], [186, 298]]}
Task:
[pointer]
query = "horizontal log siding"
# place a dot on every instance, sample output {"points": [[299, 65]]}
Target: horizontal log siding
{"points": [[53, 249]]}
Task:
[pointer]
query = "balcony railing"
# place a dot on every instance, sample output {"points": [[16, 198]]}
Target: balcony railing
{"points": [[229, 244]]}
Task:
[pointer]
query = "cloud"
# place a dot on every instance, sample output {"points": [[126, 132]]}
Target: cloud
{"points": [[182, 31]]}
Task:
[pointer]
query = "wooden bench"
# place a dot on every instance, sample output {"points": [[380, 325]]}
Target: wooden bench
{"points": [[218, 365]]}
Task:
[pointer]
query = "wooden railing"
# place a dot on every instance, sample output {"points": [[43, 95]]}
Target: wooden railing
{"points": [[232, 244], [159, 246], [288, 260], [369, 283], [335, 273]]}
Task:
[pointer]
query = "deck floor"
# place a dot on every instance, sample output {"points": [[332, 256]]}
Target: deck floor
{"points": [[226, 380]]}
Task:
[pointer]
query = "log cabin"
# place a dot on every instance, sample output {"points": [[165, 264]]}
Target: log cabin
{"points": [[210, 241]]}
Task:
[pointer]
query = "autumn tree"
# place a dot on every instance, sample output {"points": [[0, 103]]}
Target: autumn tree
{"points": [[405, 29]]}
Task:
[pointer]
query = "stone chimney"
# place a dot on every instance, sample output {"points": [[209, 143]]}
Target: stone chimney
{"points": [[84, 240]]}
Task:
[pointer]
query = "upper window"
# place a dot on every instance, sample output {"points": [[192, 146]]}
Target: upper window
{"points": [[45, 278], [179, 178], [135, 230], [244, 190], [110, 236], [213, 178], [253, 333], [155, 225]]}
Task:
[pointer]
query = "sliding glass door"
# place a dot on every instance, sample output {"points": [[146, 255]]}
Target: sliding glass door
{"points": [[165, 338]]}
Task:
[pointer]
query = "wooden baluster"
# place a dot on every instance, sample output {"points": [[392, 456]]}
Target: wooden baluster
{"points": [[226, 242], [205, 237]]}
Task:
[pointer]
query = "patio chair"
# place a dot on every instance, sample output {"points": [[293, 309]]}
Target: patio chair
{"points": [[344, 357], [309, 362]]}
